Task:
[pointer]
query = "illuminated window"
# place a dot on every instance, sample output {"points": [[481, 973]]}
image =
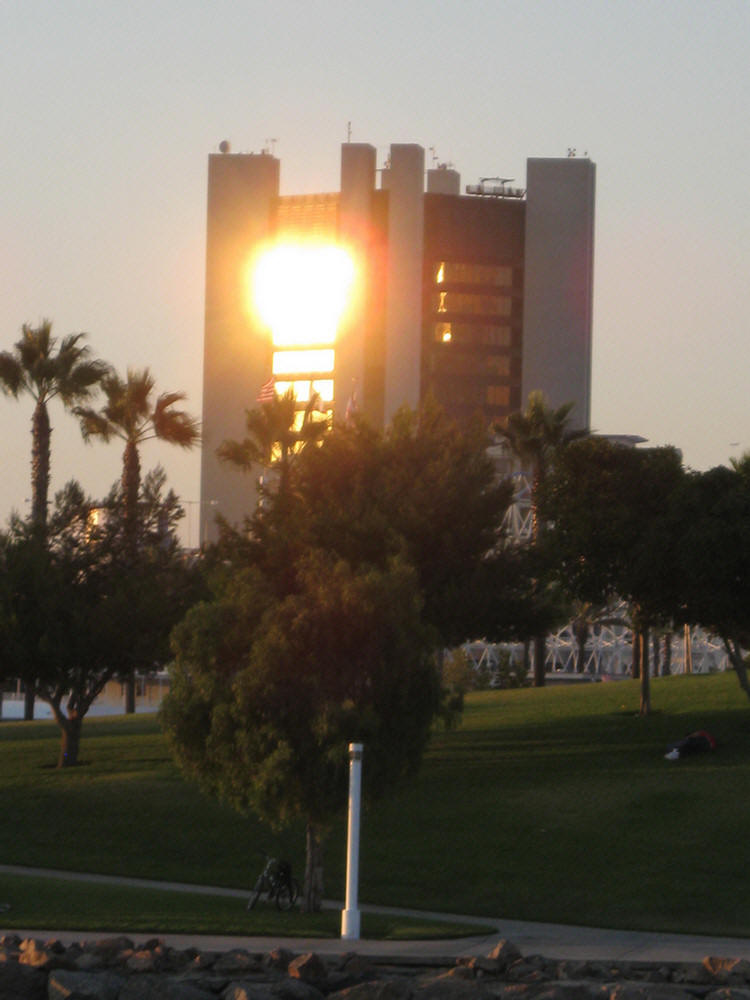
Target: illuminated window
{"points": [[303, 362], [473, 302], [301, 290], [461, 272], [443, 333]]}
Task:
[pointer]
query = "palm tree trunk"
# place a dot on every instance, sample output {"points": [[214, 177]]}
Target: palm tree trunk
{"points": [[131, 484], [40, 451]]}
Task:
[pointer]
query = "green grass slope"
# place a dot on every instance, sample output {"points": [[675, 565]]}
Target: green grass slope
{"points": [[553, 804]]}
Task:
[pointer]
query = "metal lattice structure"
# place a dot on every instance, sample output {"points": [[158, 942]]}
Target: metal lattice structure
{"points": [[608, 650]]}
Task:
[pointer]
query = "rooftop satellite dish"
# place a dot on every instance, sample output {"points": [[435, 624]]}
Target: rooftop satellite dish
{"points": [[224, 146]]}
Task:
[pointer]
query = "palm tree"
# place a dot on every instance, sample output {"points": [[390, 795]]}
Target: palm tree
{"points": [[534, 436], [132, 415], [273, 437], [36, 368]]}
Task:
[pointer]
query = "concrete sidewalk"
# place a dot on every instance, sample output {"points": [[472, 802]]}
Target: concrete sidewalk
{"points": [[550, 940]]}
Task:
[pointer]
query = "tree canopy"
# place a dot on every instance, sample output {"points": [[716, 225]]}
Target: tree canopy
{"points": [[326, 617], [74, 613], [609, 509]]}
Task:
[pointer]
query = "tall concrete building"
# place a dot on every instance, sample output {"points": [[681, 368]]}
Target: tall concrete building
{"points": [[478, 297]]}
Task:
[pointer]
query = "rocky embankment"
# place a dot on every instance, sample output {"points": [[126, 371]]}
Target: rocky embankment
{"points": [[117, 969]]}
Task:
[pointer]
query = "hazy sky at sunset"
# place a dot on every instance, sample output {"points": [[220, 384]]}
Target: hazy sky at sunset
{"points": [[109, 110]]}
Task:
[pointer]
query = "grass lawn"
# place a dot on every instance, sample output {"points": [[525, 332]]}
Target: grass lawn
{"points": [[67, 905], [553, 804]]}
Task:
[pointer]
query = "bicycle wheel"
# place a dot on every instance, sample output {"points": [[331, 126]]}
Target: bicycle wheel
{"points": [[255, 894], [286, 894]]}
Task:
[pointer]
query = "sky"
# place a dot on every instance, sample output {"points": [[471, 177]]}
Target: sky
{"points": [[109, 110]]}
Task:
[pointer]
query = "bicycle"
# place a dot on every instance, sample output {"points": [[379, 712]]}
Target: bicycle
{"points": [[276, 881]]}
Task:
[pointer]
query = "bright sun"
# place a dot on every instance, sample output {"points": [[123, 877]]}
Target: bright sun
{"points": [[301, 290]]}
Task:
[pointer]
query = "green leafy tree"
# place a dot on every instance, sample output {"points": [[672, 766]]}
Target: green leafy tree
{"points": [[266, 694], [333, 605], [535, 437], [609, 508], [75, 613], [424, 489], [132, 414], [712, 519]]}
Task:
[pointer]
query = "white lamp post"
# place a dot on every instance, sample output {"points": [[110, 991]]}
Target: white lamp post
{"points": [[350, 922]]}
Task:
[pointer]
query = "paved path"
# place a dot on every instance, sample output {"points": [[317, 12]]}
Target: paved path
{"points": [[550, 940]]}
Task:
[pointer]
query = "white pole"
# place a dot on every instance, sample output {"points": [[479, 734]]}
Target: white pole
{"points": [[350, 915]]}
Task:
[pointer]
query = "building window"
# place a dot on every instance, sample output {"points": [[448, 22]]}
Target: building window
{"points": [[498, 395], [461, 272], [478, 334], [475, 303]]}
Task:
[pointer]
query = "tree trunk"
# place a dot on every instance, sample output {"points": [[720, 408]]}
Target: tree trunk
{"points": [[70, 739], [645, 707], [655, 655], [540, 653], [738, 663], [581, 632], [312, 892], [130, 694], [29, 696], [131, 484], [636, 647], [667, 670], [40, 446]]}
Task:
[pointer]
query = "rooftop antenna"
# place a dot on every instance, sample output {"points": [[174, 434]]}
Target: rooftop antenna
{"points": [[434, 155], [348, 131], [270, 146]]}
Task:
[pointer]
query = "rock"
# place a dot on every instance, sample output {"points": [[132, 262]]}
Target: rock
{"points": [[155, 987], [279, 958], [66, 985], [309, 968], [505, 953], [237, 961], [377, 989], [110, 945], [22, 982], [247, 991], [450, 986], [43, 955], [640, 991], [732, 971], [296, 989]]}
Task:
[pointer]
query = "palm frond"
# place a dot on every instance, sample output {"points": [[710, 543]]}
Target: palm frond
{"points": [[11, 374]]}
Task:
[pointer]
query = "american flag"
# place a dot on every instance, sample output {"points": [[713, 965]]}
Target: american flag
{"points": [[267, 391]]}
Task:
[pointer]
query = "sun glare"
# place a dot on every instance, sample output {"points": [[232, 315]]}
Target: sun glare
{"points": [[301, 292]]}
